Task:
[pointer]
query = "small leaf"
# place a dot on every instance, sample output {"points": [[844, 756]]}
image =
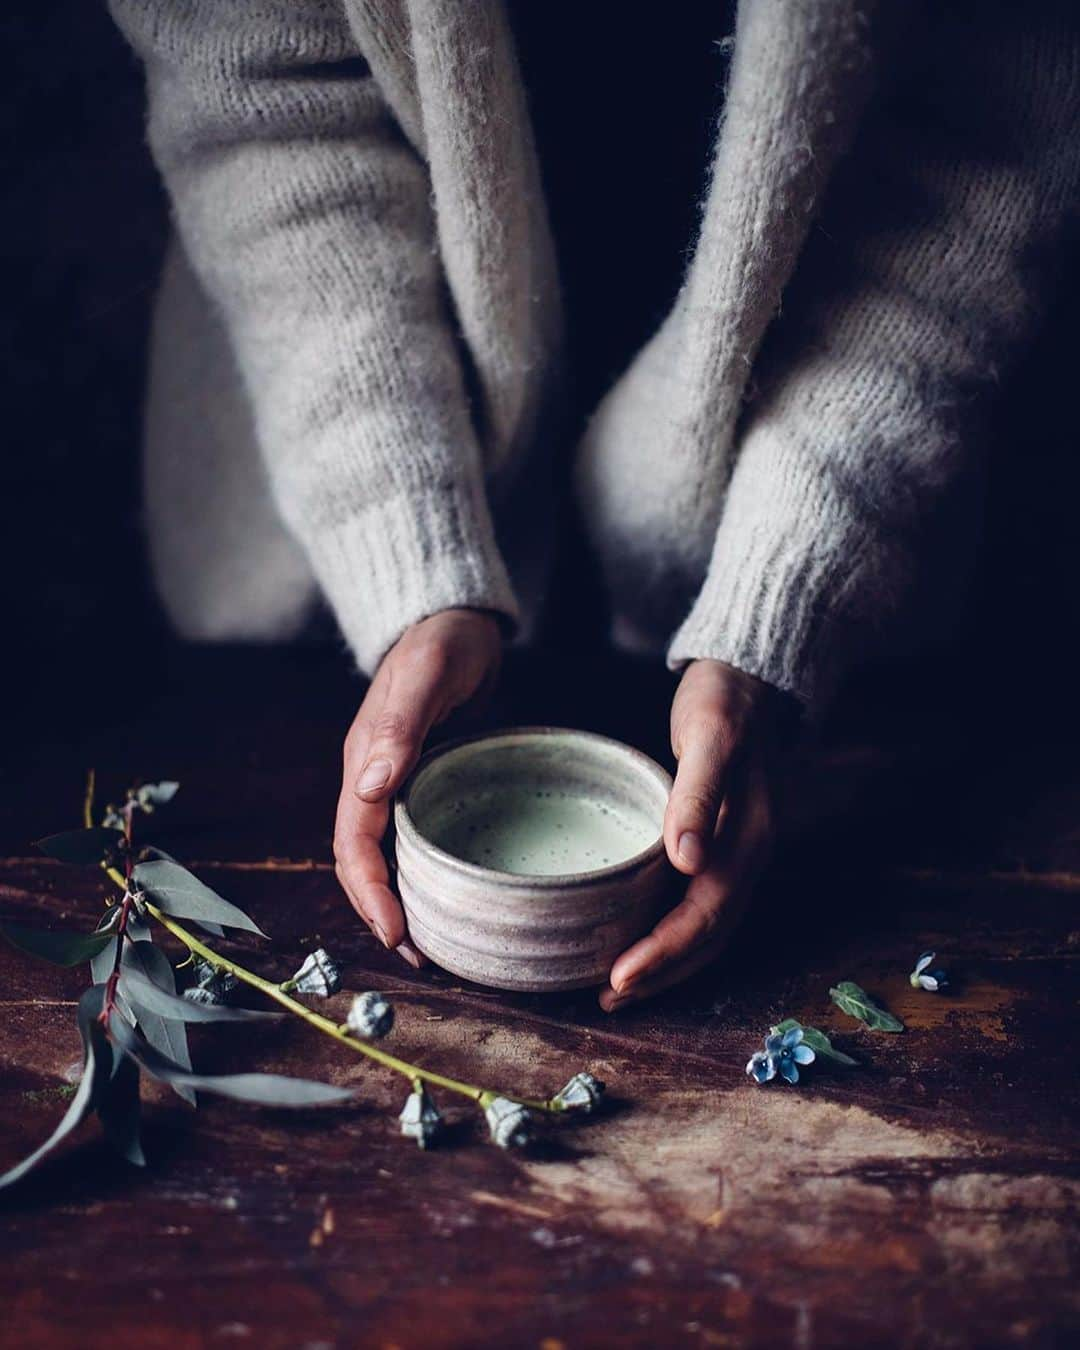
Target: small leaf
{"points": [[177, 891], [144, 994], [61, 947], [267, 1089], [146, 852], [816, 1040], [101, 965], [166, 1034], [157, 794], [109, 921], [119, 1110], [102, 962], [97, 1066], [856, 1002], [271, 1089], [83, 848], [149, 851]]}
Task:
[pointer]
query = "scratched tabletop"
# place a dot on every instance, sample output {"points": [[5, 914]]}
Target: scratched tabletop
{"points": [[928, 1196]]}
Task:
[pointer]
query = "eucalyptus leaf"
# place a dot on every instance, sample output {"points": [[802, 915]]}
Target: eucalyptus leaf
{"points": [[150, 851], [60, 946], [109, 921], [83, 848], [146, 852], [179, 892], [119, 1111], [145, 995], [138, 930], [816, 1040], [850, 998], [266, 1089], [101, 965], [271, 1089], [166, 1034], [102, 962], [97, 1066]]}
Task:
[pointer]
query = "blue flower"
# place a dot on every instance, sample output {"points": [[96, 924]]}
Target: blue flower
{"points": [[782, 1055], [922, 978]]}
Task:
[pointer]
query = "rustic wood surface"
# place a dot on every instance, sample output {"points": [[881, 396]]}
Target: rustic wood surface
{"points": [[928, 1197]]}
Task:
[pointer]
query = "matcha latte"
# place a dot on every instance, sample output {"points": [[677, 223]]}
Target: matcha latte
{"points": [[541, 831]]}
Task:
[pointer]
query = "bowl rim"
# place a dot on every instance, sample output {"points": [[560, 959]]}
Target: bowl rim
{"points": [[404, 824]]}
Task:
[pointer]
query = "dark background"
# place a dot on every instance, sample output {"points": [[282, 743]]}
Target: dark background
{"points": [[81, 237]]}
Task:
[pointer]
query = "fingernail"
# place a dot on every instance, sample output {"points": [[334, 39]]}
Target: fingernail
{"points": [[375, 775], [611, 1005], [408, 953], [691, 849], [380, 933]]}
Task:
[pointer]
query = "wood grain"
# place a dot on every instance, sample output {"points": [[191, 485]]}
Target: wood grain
{"points": [[928, 1197]]}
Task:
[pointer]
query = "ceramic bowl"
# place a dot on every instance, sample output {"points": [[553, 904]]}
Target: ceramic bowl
{"points": [[529, 859]]}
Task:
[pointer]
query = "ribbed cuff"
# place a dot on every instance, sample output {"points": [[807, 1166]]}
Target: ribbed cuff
{"points": [[407, 557], [781, 578]]}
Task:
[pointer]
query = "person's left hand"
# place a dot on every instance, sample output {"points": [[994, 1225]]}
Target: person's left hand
{"points": [[718, 826], [436, 666]]}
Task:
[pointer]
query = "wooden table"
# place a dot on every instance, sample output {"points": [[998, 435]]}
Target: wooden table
{"points": [[928, 1197]]}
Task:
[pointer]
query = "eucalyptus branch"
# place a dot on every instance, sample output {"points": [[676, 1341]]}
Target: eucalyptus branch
{"points": [[413, 1072], [134, 1020], [109, 1001]]}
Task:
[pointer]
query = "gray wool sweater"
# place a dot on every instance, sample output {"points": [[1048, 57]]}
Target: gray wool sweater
{"points": [[357, 340]]}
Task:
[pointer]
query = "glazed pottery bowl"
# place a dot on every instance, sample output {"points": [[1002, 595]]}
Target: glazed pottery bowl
{"points": [[529, 859]]}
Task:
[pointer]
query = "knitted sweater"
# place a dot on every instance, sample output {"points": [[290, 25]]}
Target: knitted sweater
{"points": [[358, 332]]}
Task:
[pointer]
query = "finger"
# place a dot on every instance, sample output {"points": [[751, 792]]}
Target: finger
{"points": [[362, 869], [359, 828], [706, 722], [696, 798], [415, 698], [357, 741], [386, 737], [365, 879], [668, 975], [703, 916], [714, 903]]}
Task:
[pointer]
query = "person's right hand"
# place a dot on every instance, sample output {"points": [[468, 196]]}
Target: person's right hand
{"points": [[436, 666]]}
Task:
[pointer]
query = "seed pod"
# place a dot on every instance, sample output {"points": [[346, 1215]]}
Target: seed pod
{"points": [[212, 985], [509, 1122], [370, 1016], [318, 975], [420, 1119], [201, 993], [583, 1093]]}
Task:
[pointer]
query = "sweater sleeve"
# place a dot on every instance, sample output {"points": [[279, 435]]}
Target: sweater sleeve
{"points": [[306, 215], [935, 258]]}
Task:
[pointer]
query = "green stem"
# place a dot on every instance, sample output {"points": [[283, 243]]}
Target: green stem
{"points": [[482, 1096], [410, 1071]]}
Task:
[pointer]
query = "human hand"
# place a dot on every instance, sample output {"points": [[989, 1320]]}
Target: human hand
{"points": [[435, 666], [717, 828]]}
